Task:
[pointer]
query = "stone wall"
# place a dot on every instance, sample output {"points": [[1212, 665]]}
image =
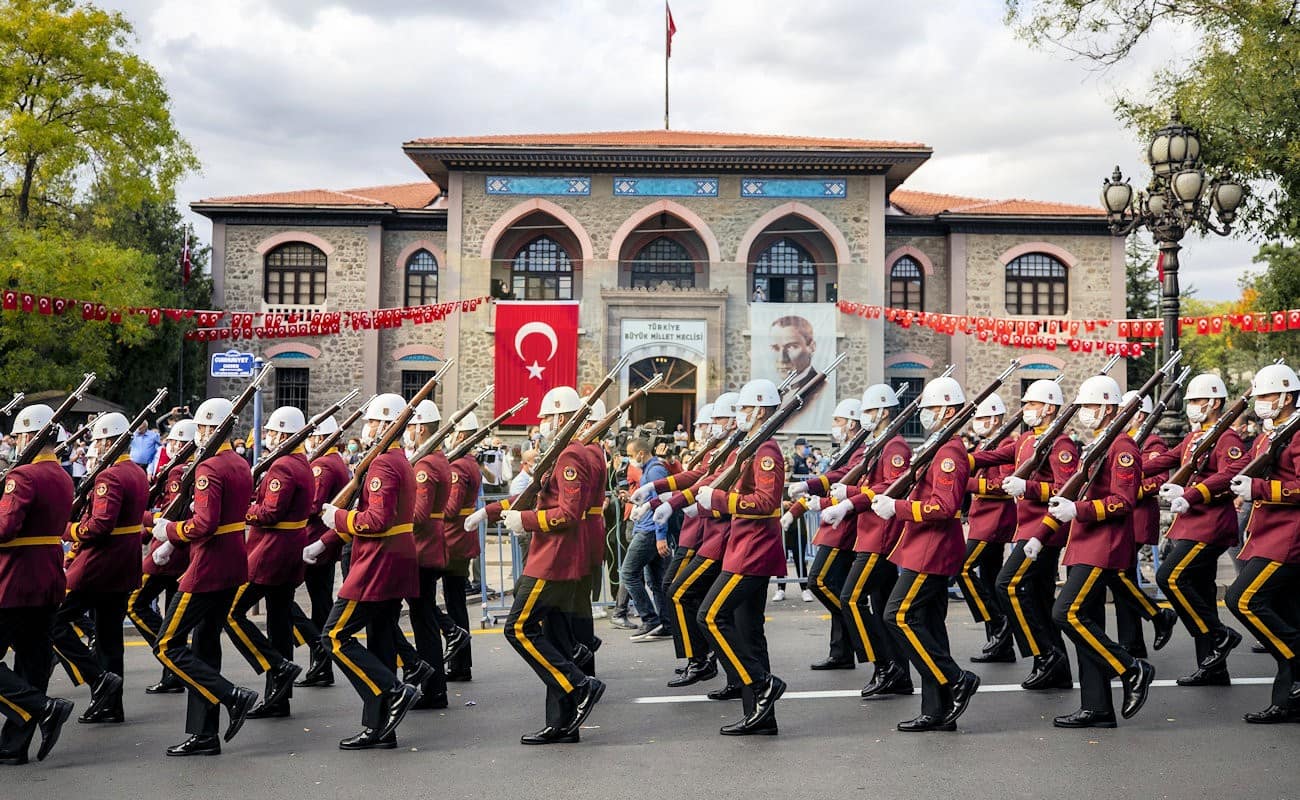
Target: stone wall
{"points": [[937, 296], [393, 293]]}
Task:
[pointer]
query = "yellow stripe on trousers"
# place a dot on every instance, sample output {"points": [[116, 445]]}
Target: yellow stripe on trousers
{"points": [[1013, 595], [135, 617], [337, 648], [901, 621], [1177, 591], [1243, 606], [529, 647], [969, 581], [25, 716], [242, 635], [1147, 606], [77, 679], [683, 564], [820, 580], [677, 602], [712, 620], [856, 609], [1073, 616], [165, 641]]}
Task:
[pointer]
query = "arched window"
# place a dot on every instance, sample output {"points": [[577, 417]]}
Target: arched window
{"points": [[785, 273], [295, 275], [542, 270], [421, 279], [907, 284], [664, 260], [1037, 284]]}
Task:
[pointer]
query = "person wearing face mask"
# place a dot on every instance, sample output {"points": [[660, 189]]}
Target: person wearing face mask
{"points": [[732, 611], [162, 573], [593, 533], [354, 453], [1099, 549], [929, 552], [1026, 586], [871, 577], [466, 481], [992, 523], [1204, 527], [37, 500], [1263, 596]]}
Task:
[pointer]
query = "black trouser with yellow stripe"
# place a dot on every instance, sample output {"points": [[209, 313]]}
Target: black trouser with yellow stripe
{"points": [[319, 582], [1080, 611], [681, 559], [582, 627], [25, 631], [263, 653], [1131, 607], [428, 634], [1266, 598], [455, 579], [830, 567], [917, 612], [867, 587], [979, 574], [139, 607], [1187, 576], [108, 610], [1026, 591], [538, 629], [732, 618], [686, 592], [372, 669], [200, 617]]}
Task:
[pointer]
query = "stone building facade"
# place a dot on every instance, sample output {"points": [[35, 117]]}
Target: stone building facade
{"points": [[655, 225]]}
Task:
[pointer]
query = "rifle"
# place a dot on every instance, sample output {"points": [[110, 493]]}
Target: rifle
{"points": [[894, 428], [332, 440], [296, 439], [923, 456], [606, 422], [352, 488], [12, 404], [709, 444], [785, 384], [1205, 444], [63, 448], [38, 441], [1001, 433], [846, 452], [1096, 450], [527, 499], [1161, 406], [159, 484], [1262, 464], [460, 450], [110, 456], [177, 507], [435, 441], [1043, 444]]}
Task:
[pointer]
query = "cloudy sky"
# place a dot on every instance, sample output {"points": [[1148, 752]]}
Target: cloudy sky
{"points": [[291, 94]]}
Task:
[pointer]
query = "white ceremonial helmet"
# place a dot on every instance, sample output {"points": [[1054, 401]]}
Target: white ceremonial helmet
{"points": [[942, 391], [1044, 391], [109, 426], [469, 422], [1274, 379], [881, 395], [385, 407], [849, 408], [1099, 390], [991, 407], [560, 400], [328, 426], [705, 415], [1146, 407], [725, 405], [213, 411], [182, 431], [597, 411], [32, 418], [285, 419], [1206, 386], [759, 393], [426, 413]]}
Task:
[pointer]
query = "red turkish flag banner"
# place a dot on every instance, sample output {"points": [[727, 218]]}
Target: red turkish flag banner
{"points": [[536, 350]]}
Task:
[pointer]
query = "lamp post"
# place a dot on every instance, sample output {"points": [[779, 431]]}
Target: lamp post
{"points": [[1178, 199]]}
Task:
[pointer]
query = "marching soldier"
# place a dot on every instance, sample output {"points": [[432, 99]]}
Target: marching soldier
{"points": [[277, 534], [1263, 597], [103, 575], [1204, 527], [732, 611], [218, 566], [383, 572], [593, 532], [462, 548], [1100, 548], [929, 552], [992, 523], [34, 508], [161, 574]]}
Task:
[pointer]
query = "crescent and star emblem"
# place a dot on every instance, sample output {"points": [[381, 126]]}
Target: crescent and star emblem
{"points": [[535, 369]]}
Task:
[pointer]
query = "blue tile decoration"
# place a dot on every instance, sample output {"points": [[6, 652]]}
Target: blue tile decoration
{"points": [[816, 188], [419, 357], [538, 185], [665, 187]]}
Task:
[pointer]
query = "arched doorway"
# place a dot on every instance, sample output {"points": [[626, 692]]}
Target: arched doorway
{"points": [[673, 400]]}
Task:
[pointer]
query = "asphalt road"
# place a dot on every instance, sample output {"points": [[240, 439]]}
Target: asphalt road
{"points": [[644, 740]]}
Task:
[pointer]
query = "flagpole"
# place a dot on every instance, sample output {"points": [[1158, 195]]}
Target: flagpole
{"points": [[667, 45]]}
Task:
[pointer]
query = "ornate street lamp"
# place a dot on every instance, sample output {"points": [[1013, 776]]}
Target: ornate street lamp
{"points": [[1177, 200]]}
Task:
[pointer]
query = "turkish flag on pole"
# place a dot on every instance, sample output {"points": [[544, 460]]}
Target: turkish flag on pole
{"points": [[536, 350], [671, 28]]}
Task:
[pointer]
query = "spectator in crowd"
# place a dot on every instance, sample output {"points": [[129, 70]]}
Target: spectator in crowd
{"points": [[760, 295], [145, 443], [796, 539], [647, 556], [166, 421], [822, 460], [618, 529], [353, 455], [8, 449], [527, 460], [680, 437], [77, 456]]}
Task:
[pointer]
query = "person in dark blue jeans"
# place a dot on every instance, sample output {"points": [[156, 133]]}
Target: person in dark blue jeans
{"points": [[647, 556]]}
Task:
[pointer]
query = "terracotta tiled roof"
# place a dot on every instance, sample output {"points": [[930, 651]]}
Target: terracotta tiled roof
{"points": [[926, 204], [660, 138], [405, 196]]}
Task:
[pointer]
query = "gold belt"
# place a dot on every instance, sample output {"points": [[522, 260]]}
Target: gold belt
{"points": [[32, 541], [396, 530], [437, 516], [288, 526], [774, 514], [233, 527], [126, 530]]}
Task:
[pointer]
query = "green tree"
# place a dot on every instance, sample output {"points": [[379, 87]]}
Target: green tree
{"points": [[1142, 293]]}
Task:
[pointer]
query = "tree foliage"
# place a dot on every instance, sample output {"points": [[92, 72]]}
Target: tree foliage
{"points": [[1142, 293]]}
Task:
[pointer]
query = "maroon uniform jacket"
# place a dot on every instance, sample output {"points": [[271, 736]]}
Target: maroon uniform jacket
{"points": [[692, 527], [432, 485], [383, 549], [1102, 534], [1031, 510], [180, 557], [876, 535], [277, 522], [932, 540], [1212, 517], [992, 515], [331, 474], [109, 531], [1273, 531], [716, 526], [223, 487], [593, 524], [466, 479], [839, 537], [33, 514], [558, 551], [755, 546], [1146, 516]]}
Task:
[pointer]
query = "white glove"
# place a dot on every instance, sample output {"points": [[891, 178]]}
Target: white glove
{"points": [[1014, 486], [163, 554], [1032, 548], [798, 489], [160, 530], [639, 511], [705, 497], [814, 503], [643, 493], [662, 514], [327, 514], [1180, 505], [787, 519], [1061, 509], [1241, 487], [691, 511], [514, 521], [312, 552], [665, 496], [836, 514], [883, 506], [839, 491], [476, 519], [1170, 491]]}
